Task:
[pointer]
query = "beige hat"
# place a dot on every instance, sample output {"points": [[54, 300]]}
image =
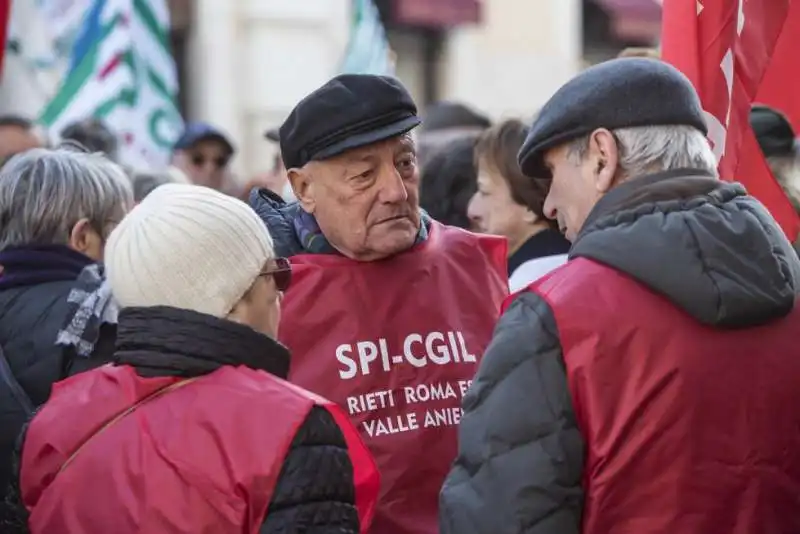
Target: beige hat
{"points": [[187, 247]]}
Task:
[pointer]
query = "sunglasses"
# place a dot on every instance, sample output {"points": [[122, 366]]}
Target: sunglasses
{"points": [[281, 272], [198, 160]]}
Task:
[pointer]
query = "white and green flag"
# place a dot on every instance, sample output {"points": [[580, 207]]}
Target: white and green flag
{"points": [[368, 51], [123, 73]]}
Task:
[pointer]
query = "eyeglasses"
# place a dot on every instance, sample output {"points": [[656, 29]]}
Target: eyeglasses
{"points": [[281, 272], [199, 160]]}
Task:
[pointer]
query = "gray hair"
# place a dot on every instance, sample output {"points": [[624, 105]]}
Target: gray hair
{"points": [[648, 149], [44, 193]]}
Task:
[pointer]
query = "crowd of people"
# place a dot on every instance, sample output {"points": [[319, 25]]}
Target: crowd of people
{"points": [[419, 323]]}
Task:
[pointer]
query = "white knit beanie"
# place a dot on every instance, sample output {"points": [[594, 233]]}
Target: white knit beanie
{"points": [[188, 247]]}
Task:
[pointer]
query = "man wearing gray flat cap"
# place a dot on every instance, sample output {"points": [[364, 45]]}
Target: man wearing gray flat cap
{"points": [[389, 312], [651, 384]]}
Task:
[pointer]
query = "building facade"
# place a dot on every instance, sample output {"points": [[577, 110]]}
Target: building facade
{"points": [[246, 63]]}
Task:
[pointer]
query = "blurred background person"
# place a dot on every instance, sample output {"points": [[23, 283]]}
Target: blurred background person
{"points": [[17, 134], [204, 154], [448, 182], [443, 122], [778, 142], [510, 204], [57, 208], [145, 182], [94, 136], [275, 179]]}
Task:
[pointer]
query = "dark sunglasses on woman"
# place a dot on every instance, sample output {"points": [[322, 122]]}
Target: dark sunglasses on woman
{"points": [[281, 271]]}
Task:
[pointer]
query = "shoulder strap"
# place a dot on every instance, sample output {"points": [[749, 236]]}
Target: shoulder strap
{"points": [[127, 411], [10, 381]]}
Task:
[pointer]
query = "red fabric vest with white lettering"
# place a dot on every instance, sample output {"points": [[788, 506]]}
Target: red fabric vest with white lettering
{"points": [[396, 343], [688, 429], [199, 458]]}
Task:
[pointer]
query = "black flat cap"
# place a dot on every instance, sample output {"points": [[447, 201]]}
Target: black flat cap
{"points": [[350, 111], [620, 93], [773, 131]]}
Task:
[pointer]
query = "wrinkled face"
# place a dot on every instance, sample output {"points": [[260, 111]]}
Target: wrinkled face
{"points": [[205, 163], [492, 210], [578, 183], [365, 201]]}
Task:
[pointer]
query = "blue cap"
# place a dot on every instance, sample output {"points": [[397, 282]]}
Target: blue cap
{"points": [[201, 131]]}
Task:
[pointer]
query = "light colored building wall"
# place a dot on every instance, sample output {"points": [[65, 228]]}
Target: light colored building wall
{"points": [[514, 61], [253, 60]]}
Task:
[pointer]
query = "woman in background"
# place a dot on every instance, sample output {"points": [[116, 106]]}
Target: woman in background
{"points": [[449, 180], [510, 204]]}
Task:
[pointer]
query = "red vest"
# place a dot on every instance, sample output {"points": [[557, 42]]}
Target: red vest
{"points": [[192, 456], [689, 429], [396, 343]]}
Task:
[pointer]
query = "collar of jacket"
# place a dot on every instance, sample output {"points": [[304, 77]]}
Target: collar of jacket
{"points": [[39, 264], [654, 187], [164, 341]]}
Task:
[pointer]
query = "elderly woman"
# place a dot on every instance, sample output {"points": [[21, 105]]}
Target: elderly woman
{"points": [[193, 428], [57, 208], [510, 204]]}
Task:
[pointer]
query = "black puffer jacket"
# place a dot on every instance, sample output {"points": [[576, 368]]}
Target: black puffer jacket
{"points": [[315, 491], [279, 217], [34, 290], [710, 249]]}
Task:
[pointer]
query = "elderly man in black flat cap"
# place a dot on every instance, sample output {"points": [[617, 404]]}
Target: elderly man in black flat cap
{"points": [[651, 384], [389, 312]]}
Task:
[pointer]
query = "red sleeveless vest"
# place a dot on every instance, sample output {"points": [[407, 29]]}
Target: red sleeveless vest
{"points": [[396, 344], [115, 452], [689, 429]]}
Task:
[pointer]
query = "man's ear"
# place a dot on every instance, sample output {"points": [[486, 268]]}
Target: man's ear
{"points": [[605, 155], [303, 188]]}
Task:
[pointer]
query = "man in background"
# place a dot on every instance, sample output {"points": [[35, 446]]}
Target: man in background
{"points": [[204, 154], [93, 135], [17, 134], [444, 122]]}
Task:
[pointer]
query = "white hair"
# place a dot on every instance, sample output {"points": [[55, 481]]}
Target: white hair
{"points": [[44, 193], [648, 149]]}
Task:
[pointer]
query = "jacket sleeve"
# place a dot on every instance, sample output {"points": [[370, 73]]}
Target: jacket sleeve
{"points": [[13, 514], [315, 492], [520, 453]]}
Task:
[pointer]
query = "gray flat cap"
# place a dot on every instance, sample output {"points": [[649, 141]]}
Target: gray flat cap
{"points": [[620, 93]]}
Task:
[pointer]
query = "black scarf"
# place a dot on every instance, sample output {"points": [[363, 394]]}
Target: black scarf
{"points": [[38, 264], [163, 341]]}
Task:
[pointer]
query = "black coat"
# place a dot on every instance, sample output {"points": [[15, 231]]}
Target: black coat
{"points": [[34, 290]]}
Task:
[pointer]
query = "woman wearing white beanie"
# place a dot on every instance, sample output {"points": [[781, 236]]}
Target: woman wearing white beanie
{"points": [[193, 429]]}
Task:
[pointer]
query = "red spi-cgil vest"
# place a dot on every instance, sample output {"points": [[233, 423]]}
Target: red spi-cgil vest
{"points": [[396, 344], [689, 429], [114, 452]]}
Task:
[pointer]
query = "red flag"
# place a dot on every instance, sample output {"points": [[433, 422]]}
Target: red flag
{"points": [[5, 14], [729, 49]]}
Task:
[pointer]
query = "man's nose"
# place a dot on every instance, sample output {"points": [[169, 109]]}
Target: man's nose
{"points": [[393, 188]]}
